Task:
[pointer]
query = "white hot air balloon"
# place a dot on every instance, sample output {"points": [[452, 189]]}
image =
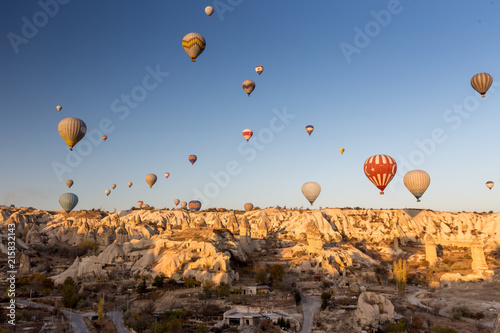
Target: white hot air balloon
{"points": [[209, 10], [311, 191], [417, 182]]}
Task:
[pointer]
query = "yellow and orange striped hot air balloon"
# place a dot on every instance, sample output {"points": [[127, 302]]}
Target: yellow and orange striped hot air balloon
{"points": [[72, 130], [247, 133], [481, 83], [194, 45]]}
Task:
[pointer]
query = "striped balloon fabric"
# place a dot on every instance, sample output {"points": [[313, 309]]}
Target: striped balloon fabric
{"points": [[72, 130], [247, 133], [248, 86], [481, 83], [195, 205], [417, 182], [194, 45], [380, 169]]}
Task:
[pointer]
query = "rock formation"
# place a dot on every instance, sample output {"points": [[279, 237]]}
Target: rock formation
{"points": [[477, 252], [430, 251], [373, 309]]}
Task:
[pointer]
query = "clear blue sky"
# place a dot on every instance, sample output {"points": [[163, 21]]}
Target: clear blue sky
{"points": [[394, 90]]}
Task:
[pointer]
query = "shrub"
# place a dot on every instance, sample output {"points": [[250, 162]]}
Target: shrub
{"points": [[442, 329]]}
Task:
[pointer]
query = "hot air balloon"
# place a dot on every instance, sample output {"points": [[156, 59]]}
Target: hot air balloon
{"points": [[104, 137], [194, 45], [417, 181], [151, 179], [167, 174], [341, 150], [259, 69], [309, 129], [489, 184], [248, 86], [481, 83], [311, 191], [140, 203], [68, 201], [113, 186], [69, 182], [59, 108], [192, 159], [129, 184], [380, 169], [247, 133], [176, 201], [72, 130], [195, 205], [209, 10], [248, 206], [107, 192], [183, 204]]}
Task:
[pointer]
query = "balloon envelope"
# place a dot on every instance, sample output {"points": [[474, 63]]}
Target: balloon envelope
{"points": [[129, 184], [259, 69], [247, 133], [59, 108], [140, 203], [380, 169], [248, 86], [309, 129], [113, 186], [183, 204], [104, 137], [72, 130], [311, 190], [176, 201], [417, 182], [107, 192], [151, 179], [69, 182], [341, 150], [194, 45], [195, 205], [68, 201], [481, 83], [209, 10], [167, 174], [192, 159], [248, 206], [490, 184]]}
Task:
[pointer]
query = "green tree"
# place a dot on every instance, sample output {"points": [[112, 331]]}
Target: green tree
{"points": [[223, 290], [277, 273], [100, 308], [325, 297], [142, 287], [399, 269], [261, 276], [297, 297], [158, 281], [69, 293]]}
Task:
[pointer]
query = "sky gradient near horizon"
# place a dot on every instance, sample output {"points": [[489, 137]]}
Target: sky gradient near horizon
{"points": [[374, 77]]}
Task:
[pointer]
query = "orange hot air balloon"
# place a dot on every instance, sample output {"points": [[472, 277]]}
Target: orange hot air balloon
{"points": [[309, 129], [139, 203], [192, 159], [380, 169], [104, 137], [247, 133], [167, 174], [481, 83]]}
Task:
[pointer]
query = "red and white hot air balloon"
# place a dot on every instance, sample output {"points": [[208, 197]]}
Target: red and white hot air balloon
{"points": [[247, 133], [259, 69], [167, 174], [380, 169]]}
